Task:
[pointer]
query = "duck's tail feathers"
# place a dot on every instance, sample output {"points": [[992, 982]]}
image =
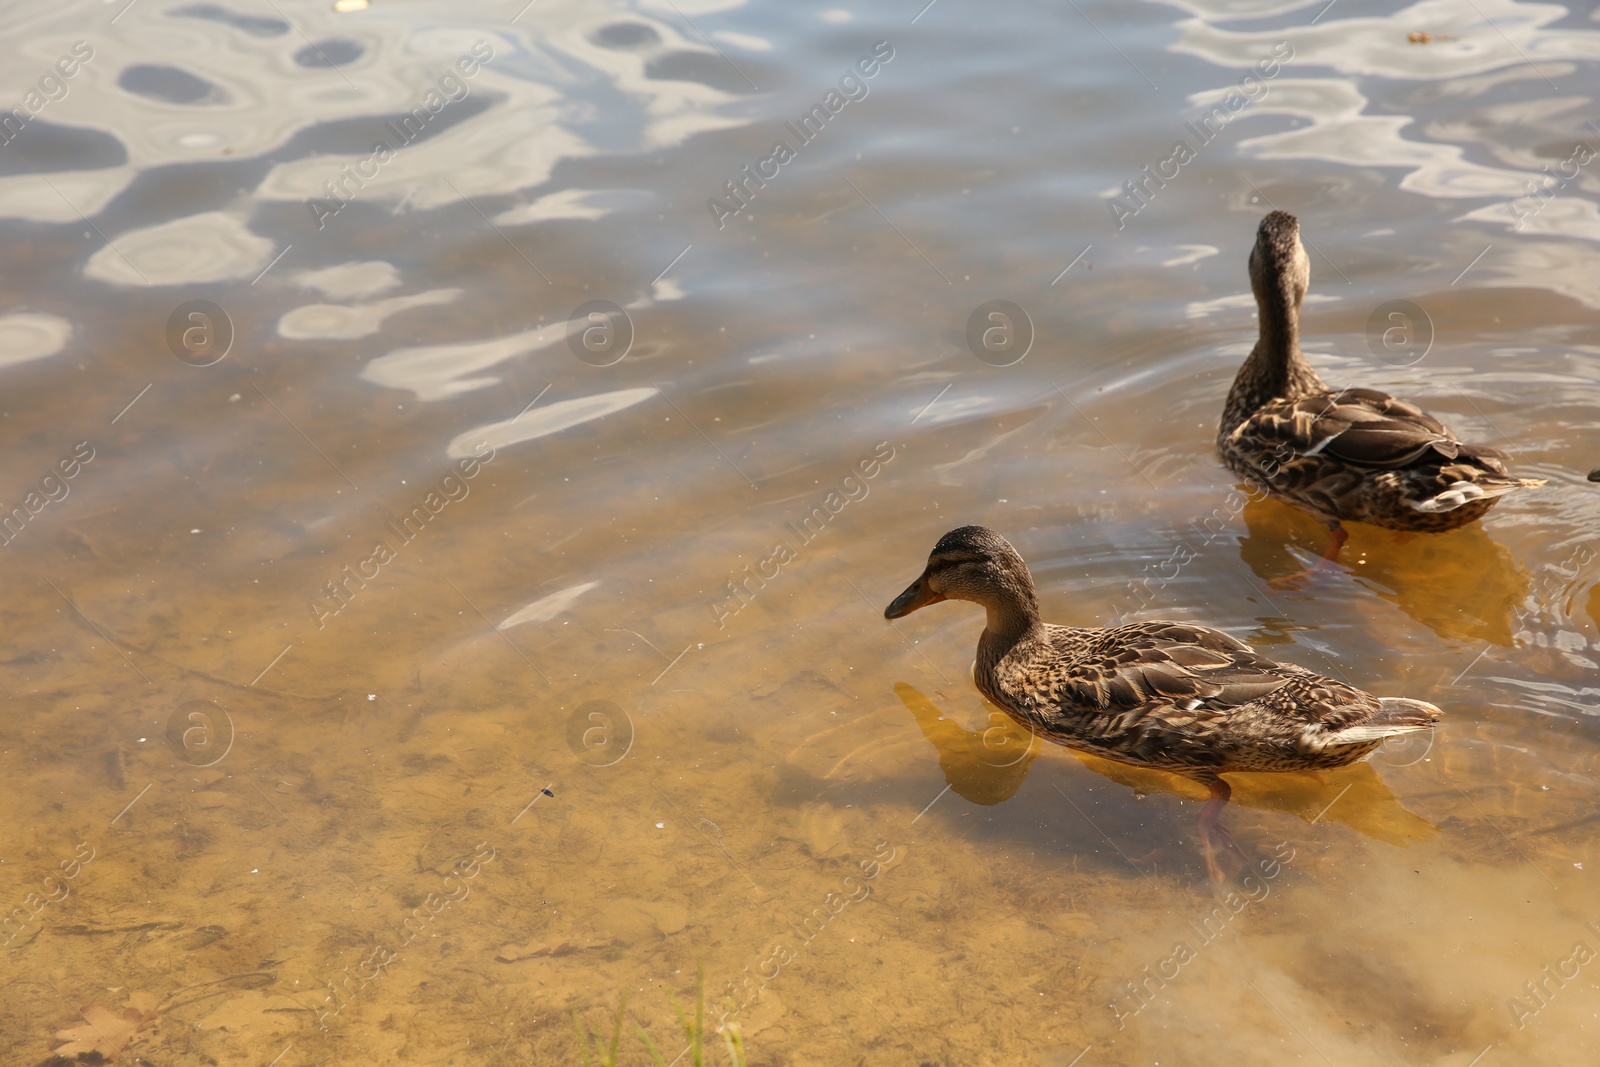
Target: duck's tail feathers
{"points": [[1461, 493], [1395, 716]]}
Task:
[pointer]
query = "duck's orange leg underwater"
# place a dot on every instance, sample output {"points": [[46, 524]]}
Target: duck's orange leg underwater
{"points": [[1325, 562], [1211, 829]]}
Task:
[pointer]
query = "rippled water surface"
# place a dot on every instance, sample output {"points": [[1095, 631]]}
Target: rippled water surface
{"points": [[454, 527]]}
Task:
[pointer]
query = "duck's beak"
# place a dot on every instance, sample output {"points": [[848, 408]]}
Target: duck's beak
{"points": [[919, 594]]}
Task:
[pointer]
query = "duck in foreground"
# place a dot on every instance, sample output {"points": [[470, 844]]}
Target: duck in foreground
{"points": [[1173, 696], [1348, 455]]}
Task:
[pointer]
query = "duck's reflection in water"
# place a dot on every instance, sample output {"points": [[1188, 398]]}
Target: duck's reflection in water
{"points": [[988, 766], [983, 766], [1461, 584]]}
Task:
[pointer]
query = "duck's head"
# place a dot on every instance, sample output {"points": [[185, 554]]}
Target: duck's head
{"points": [[972, 563], [1279, 268]]}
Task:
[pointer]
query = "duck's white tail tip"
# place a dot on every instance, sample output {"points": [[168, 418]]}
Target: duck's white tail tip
{"points": [[1461, 493]]}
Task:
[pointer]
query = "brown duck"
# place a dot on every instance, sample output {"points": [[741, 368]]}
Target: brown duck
{"points": [[1174, 696], [1356, 455]]}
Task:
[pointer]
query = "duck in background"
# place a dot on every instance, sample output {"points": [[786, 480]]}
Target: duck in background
{"points": [[1171, 696], [1349, 455]]}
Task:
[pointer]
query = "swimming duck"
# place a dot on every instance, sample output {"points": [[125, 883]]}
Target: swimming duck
{"points": [[1174, 696], [1356, 455]]}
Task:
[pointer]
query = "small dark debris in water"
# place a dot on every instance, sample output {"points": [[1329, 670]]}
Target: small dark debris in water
{"points": [[1594, 475], [115, 765]]}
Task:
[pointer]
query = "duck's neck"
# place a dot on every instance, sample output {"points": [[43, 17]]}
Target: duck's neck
{"points": [[1013, 620], [1276, 367], [1012, 617], [1280, 324]]}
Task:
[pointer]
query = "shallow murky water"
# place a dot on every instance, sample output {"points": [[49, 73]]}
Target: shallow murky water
{"points": [[395, 667]]}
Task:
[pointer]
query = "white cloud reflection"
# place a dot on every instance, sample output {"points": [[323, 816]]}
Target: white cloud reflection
{"points": [[546, 420], [435, 372], [1485, 35], [27, 335], [544, 83], [343, 322], [211, 247], [346, 281]]}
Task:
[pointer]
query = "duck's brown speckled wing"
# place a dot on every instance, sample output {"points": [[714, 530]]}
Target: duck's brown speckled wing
{"points": [[1363, 427], [1170, 694], [1365, 455]]}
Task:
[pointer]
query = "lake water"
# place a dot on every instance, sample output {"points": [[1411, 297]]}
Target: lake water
{"points": [[463, 462]]}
